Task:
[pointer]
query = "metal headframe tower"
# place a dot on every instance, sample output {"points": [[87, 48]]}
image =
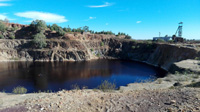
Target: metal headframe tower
{"points": [[180, 29]]}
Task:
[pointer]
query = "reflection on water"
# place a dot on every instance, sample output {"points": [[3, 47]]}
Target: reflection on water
{"points": [[61, 75]]}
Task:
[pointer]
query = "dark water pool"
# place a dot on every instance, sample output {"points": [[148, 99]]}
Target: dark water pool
{"points": [[56, 76]]}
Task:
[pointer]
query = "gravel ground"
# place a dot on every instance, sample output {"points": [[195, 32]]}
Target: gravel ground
{"points": [[169, 100]]}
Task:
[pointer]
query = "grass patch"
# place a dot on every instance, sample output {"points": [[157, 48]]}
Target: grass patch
{"points": [[75, 87], [15, 59], [92, 50], [102, 44], [133, 47], [107, 86], [20, 90], [197, 58], [172, 87]]}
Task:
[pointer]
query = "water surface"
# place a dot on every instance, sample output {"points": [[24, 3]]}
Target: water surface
{"points": [[56, 76]]}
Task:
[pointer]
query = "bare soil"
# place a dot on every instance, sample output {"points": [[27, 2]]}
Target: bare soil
{"points": [[184, 99]]}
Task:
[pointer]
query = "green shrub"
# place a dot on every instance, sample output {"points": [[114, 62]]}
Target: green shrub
{"points": [[102, 44], [138, 47], [98, 55], [39, 40], [107, 86], [127, 37], [197, 58], [38, 25], [11, 36], [67, 29], [172, 87], [19, 90], [58, 29], [1, 36], [14, 28], [61, 32], [133, 47], [92, 50], [2, 27]]}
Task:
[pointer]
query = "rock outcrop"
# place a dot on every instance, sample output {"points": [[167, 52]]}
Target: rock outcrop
{"points": [[88, 48]]}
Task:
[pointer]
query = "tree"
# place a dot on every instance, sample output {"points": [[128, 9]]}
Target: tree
{"points": [[68, 29], [39, 40], [58, 29], [2, 26], [38, 25], [85, 28], [127, 37], [6, 20]]}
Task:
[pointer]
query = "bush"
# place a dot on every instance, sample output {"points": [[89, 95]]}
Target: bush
{"points": [[58, 29], [92, 50], [2, 27], [38, 25], [11, 36], [14, 28], [107, 86], [98, 55], [102, 44], [67, 29], [19, 90], [197, 58], [127, 37], [61, 32], [39, 40], [1, 36], [133, 47]]}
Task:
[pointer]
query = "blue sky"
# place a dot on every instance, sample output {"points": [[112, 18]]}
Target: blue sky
{"points": [[142, 19]]}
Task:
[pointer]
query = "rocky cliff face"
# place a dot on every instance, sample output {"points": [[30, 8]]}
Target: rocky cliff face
{"points": [[162, 55]]}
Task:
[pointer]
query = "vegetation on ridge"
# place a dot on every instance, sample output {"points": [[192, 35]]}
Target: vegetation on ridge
{"points": [[38, 26]]}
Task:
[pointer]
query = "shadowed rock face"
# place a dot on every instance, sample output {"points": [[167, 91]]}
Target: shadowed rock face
{"points": [[107, 47]]}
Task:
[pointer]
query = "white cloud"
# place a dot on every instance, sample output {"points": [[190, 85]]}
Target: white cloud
{"points": [[2, 17], [4, 4], [4, 0], [47, 17], [99, 6], [138, 22], [90, 18]]}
